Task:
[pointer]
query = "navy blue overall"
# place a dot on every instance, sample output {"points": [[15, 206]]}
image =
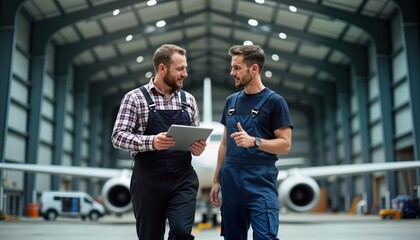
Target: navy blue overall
{"points": [[163, 184], [248, 182]]}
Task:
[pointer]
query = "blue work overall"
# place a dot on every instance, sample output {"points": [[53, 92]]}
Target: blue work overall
{"points": [[163, 184], [248, 182]]}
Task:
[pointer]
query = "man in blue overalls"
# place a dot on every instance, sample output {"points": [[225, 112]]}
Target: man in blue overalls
{"points": [[163, 185], [257, 127]]}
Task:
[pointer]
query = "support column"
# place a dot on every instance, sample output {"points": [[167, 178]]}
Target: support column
{"points": [[384, 81], [34, 121], [411, 33], [362, 101], [61, 87], [8, 11], [107, 121], [344, 106], [334, 187], [80, 103], [94, 117]]}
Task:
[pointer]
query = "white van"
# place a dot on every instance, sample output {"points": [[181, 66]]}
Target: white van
{"points": [[70, 204]]}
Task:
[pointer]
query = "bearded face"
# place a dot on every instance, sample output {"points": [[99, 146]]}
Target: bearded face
{"points": [[240, 72], [176, 72], [175, 82], [241, 82]]}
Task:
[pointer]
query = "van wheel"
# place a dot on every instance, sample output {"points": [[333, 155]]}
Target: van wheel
{"points": [[51, 215], [94, 216]]}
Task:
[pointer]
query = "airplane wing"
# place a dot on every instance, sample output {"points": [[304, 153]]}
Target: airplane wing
{"points": [[313, 172], [88, 172], [349, 170], [297, 189]]}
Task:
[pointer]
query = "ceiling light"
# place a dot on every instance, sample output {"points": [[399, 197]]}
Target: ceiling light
{"points": [[292, 8], [116, 12], [252, 22], [139, 59], [160, 23], [247, 42], [151, 3], [282, 35], [148, 74], [275, 57], [268, 74], [259, 1], [149, 29], [129, 38]]}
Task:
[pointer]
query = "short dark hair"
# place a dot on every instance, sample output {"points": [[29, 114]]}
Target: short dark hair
{"points": [[253, 54], [164, 54]]}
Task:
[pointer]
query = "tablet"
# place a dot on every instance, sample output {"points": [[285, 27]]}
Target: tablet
{"points": [[185, 136]]}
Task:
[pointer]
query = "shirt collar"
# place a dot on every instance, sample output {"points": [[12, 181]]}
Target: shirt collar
{"points": [[152, 87]]}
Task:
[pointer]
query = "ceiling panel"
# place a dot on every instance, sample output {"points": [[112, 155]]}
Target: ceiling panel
{"points": [[327, 27], [207, 28], [312, 51], [119, 22], [293, 20], [255, 11], [73, 5], [350, 6], [89, 29]]}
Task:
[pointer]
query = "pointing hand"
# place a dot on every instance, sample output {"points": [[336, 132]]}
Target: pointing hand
{"points": [[241, 138]]}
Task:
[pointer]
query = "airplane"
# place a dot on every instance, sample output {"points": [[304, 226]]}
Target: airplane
{"points": [[297, 188]]}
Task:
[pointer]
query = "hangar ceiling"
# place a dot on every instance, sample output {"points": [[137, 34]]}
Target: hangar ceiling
{"points": [[312, 46]]}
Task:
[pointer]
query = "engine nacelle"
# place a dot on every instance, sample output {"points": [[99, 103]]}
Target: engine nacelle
{"points": [[298, 193], [116, 195]]}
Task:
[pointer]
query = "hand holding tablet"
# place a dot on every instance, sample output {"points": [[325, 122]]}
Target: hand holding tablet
{"points": [[185, 136]]}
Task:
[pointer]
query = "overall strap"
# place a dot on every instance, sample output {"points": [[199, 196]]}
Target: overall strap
{"points": [[152, 104], [256, 109], [233, 104], [149, 100], [184, 100]]}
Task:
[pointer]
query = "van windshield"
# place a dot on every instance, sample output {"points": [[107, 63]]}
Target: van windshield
{"points": [[86, 200]]}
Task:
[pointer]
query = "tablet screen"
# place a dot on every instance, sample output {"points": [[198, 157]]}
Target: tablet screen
{"points": [[185, 136]]}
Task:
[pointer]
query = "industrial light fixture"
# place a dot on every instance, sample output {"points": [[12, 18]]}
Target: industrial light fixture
{"points": [[148, 74], [160, 23], [129, 38], [248, 42], [252, 22], [151, 3], [139, 59], [282, 35], [268, 74]]}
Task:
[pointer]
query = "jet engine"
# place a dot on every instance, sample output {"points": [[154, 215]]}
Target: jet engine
{"points": [[116, 194], [298, 193]]}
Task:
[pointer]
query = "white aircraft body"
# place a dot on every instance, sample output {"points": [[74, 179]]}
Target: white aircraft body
{"points": [[298, 190]]}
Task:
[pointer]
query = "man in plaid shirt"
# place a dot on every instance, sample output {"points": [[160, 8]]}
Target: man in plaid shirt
{"points": [[163, 184]]}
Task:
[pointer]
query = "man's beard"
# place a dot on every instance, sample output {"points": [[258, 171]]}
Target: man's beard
{"points": [[244, 81], [172, 82]]}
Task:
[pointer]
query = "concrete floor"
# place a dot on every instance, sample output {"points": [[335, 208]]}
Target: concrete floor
{"points": [[292, 226]]}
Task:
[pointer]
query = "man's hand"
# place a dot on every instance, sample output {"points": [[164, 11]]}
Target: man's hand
{"points": [[197, 148], [214, 195], [241, 138], [162, 142]]}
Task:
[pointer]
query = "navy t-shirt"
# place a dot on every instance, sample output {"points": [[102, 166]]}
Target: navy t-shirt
{"points": [[274, 114]]}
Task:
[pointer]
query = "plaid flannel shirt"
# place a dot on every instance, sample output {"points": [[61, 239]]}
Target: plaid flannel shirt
{"points": [[131, 121]]}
